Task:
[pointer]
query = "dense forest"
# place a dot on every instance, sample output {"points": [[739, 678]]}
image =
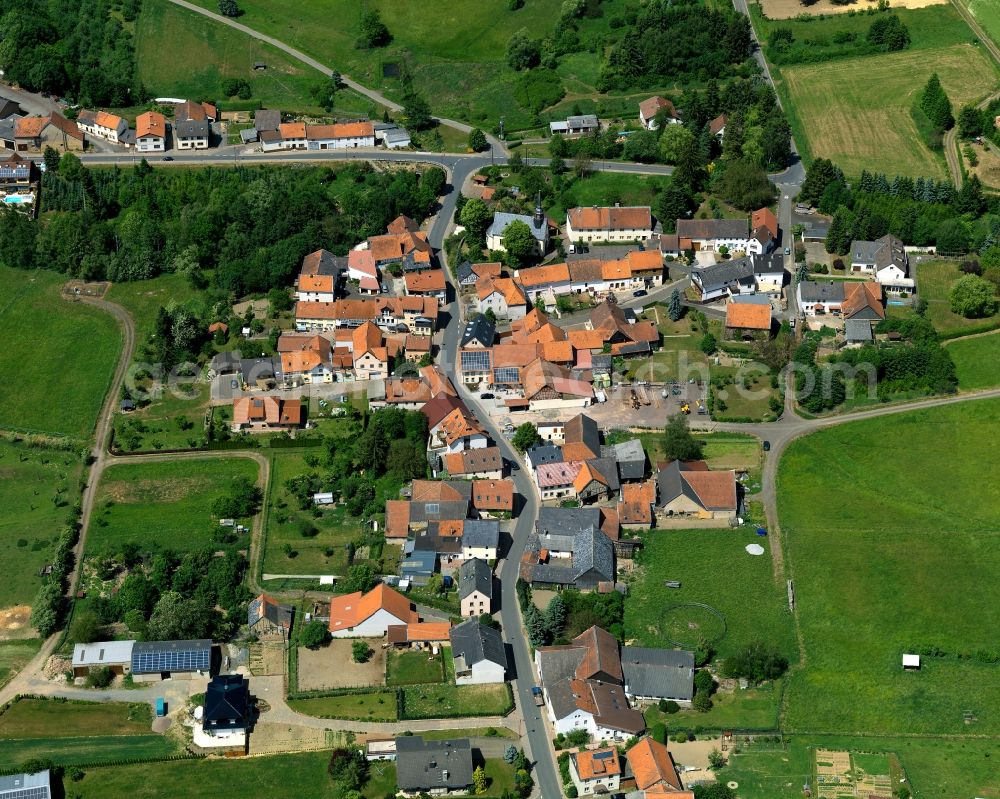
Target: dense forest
{"points": [[250, 225], [677, 40], [73, 48]]}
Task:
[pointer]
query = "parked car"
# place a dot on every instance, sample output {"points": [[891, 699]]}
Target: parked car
{"points": [[168, 158], [766, 446], [487, 395], [788, 250], [640, 293]]}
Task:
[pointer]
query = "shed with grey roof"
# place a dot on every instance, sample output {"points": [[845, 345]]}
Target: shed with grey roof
{"points": [[267, 119], [433, 766], [658, 673], [631, 458], [115, 655], [857, 331]]}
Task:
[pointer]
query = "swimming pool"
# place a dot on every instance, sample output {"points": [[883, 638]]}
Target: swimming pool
{"points": [[19, 199]]}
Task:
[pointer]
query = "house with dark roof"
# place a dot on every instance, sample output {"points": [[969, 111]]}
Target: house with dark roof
{"points": [[884, 259], [479, 333], [439, 768], [630, 457], [577, 125], [480, 539], [689, 488], [581, 439], [581, 558], [479, 654], [542, 453], [8, 107], [475, 587], [583, 686], [192, 134], [485, 463], [227, 714], [537, 224], [654, 674], [267, 619]]}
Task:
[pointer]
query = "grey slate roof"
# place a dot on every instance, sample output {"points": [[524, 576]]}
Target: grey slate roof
{"points": [[713, 228], [608, 467], [191, 128], [420, 563], [267, 119], [465, 274], [227, 702], [433, 765], [396, 135], [481, 533], [880, 253], [751, 299], [8, 107], [858, 330], [768, 263], [474, 642], [475, 574], [660, 673], [593, 560], [725, 273], [226, 362], [583, 121], [479, 329], [544, 453], [631, 458], [562, 524], [501, 219], [816, 291]]}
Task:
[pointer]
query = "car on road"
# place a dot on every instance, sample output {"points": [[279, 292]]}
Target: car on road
{"points": [[233, 384], [536, 694], [168, 158], [766, 446], [486, 395], [640, 293], [788, 250]]}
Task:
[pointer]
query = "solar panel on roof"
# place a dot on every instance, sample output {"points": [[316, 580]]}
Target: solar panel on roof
{"points": [[506, 374], [26, 793], [478, 361], [161, 660]]}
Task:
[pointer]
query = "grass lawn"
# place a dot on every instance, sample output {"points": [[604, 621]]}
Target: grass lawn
{"points": [[679, 357], [934, 282], [162, 505], [442, 701], [933, 767], [374, 706], [749, 401], [58, 356], [752, 709], [214, 52], [38, 487], [87, 749], [722, 450], [714, 569], [987, 14], [454, 51], [48, 718], [886, 562], [14, 655], [143, 299], [605, 188], [977, 361], [411, 668], [172, 421]]}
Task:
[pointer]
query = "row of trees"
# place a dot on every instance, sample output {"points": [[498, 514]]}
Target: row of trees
{"points": [[921, 212], [253, 225], [570, 613], [887, 33]]}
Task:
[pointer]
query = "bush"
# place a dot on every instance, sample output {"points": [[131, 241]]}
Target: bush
{"points": [[571, 792], [680, 737], [702, 702], [668, 706], [658, 732], [360, 651], [973, 297], [755, 662], [313, 635]]}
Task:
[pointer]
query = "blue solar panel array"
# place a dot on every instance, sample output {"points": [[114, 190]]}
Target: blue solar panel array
{"points": [[475, 361], [27, 793], [152, 657], [506, 374]]}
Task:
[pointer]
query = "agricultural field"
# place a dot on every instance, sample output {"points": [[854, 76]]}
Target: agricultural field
{"points": [[856, 111], [61, 371], [787, 9], [162, 504], [38, 488], [934, 281], [987, 14], [932, 766], [289, 776], [78, 732], [977, 361], [15, 655], [893, 564], [214, 52]]}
